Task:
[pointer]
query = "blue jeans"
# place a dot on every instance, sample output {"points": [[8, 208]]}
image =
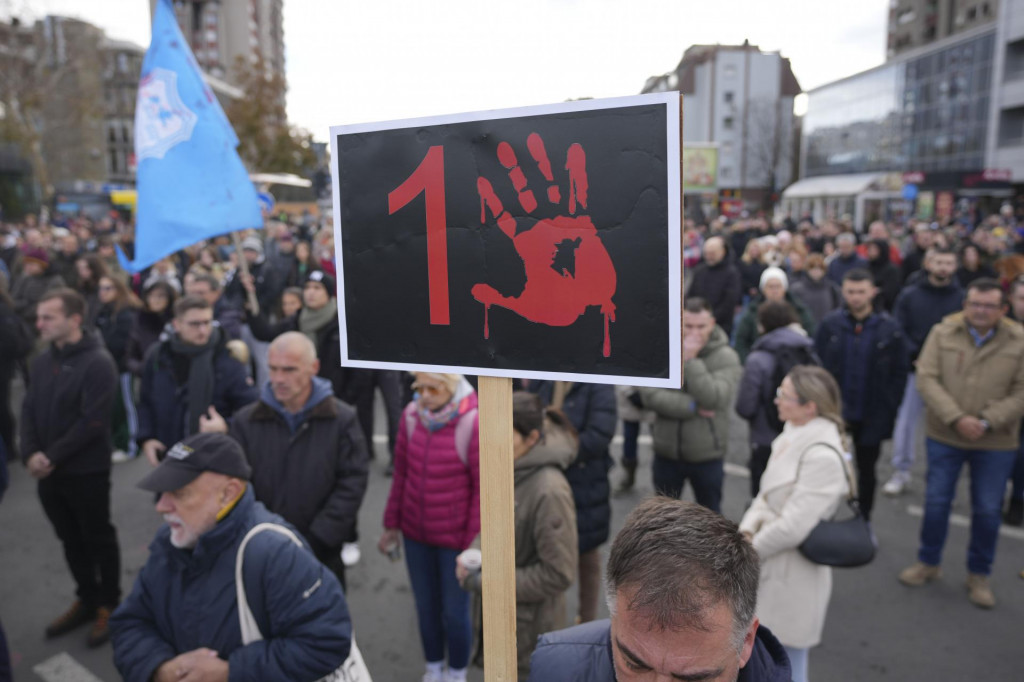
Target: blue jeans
{"points": [[908, 421], [1017, 478], [705, 478], [989, 471], [442, 607]]}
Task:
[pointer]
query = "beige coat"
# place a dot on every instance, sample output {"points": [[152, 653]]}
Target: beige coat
{"points": [[803, 484], [958, 379]]}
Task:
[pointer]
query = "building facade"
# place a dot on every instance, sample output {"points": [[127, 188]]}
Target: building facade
{"points": [[122, 67], [222, 31], [1006, 126], [917, 23], [739, 99], [910, 137]]}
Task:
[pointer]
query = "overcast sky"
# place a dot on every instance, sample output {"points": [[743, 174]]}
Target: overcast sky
{"points": [[352, 61]]}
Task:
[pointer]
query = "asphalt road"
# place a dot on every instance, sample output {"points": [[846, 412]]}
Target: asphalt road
{"points": [[876, 629]]}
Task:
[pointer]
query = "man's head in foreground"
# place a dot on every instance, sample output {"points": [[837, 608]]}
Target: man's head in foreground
{"points": [[682, 593], [198, 480]]}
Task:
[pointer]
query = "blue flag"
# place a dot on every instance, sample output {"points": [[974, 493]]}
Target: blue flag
{"points": [[191, 183]]}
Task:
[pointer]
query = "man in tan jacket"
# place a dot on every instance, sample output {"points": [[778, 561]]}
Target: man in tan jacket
{"points": [[971, 376]]}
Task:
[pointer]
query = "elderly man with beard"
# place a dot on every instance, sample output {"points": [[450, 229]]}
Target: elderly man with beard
{"points": [[181, 621], [188, 377]]}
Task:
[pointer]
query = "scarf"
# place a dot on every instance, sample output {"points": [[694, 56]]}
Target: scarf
{"points": [[200, 375], [312, 321], [438, 419]]}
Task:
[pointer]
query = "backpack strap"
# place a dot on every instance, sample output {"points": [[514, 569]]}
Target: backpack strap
{"points": [[852, 495], [464, 434]]}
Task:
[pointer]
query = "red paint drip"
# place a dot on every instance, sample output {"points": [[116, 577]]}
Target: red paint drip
{"points": [[487, 322], [576, 164], [607, 338]]}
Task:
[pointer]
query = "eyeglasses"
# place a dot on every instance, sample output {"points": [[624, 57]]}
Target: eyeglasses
{"points": [[427, 389], [782, 396]]}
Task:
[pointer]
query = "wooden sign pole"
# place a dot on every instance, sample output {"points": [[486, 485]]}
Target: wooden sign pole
{"points": [[498, 545]]}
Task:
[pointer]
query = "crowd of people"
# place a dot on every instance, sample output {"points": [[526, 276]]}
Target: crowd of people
{"points": [[221, 367]]}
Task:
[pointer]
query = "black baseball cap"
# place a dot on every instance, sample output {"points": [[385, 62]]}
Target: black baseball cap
{"points": [[202, 452]]}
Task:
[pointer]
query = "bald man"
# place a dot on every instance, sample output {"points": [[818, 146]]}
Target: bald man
{"points": [[717, 281], [308, 455]]}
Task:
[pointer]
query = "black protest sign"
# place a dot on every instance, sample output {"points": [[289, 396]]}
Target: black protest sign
{"points": [[538, 242]]}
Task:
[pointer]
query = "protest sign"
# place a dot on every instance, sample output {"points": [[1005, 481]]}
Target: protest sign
{"points": [[537, 242]]}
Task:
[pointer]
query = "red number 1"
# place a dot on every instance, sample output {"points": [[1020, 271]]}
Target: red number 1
{"points": [[428, 179]]}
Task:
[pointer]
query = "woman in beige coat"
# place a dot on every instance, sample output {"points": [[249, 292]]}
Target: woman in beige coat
{"points": [[805, 482]]}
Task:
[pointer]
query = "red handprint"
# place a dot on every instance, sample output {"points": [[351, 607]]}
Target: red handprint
{"points": [[567, 266]]}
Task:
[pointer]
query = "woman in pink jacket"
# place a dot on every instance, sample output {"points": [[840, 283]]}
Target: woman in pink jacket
{"points": [[434, 504]]}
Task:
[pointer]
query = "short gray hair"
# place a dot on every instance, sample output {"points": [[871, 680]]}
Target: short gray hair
{"points": [[683, 560], [846, 237]]}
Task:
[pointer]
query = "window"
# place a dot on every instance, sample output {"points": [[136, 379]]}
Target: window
{"points": [[727, 122], [728, 96], [725, 173]]}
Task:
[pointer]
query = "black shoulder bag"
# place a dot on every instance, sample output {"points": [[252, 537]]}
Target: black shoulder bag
{"points": [[844, 544]]}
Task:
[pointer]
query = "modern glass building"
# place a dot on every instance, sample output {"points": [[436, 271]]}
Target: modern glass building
{"points": [[927, 113]]}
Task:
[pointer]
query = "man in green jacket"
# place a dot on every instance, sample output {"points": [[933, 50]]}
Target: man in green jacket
{"points": [[691, 427]]}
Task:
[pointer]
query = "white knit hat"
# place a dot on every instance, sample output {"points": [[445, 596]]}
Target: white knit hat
{"points": [[774, 273]]}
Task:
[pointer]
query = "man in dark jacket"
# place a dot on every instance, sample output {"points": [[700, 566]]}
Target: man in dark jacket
{"points": [[182, 619], [591, 409], [919, 307], [865, 351], [684, 583], [846, 258], [308, 455], [885, 274], [66, 444], [781, 333], [206, 287], [186, 374], [717, 281], [35, 280], [691, 426]]}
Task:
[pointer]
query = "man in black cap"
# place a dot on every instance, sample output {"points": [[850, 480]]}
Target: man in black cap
{"points": [[182, 618]]}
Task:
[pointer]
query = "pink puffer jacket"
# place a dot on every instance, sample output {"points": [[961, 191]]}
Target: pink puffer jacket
{"points": [[435, 497]]}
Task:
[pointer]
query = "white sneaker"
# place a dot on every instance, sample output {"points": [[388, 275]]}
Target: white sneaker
{"points": [[350, 554], [431, 677], [897, 485], [119, 456]]}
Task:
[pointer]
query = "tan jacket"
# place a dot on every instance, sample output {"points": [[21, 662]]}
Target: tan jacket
{"points": [[957, 379]]}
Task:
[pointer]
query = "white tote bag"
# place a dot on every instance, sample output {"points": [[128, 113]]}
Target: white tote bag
{"points": [[352, 670]]}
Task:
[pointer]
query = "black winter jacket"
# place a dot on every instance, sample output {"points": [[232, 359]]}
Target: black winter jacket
{"points": [[116, 329], [591, 409], [720, 285], [314, 478], [877, 383], [67, 409], [163, 402], [921, 306]]}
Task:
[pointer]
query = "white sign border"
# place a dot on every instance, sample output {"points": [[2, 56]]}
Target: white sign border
{"points": [[671, 100]]}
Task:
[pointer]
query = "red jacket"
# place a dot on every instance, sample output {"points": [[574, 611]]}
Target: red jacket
{"points": [[435, 497]]}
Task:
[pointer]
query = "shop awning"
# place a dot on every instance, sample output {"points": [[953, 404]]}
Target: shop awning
{"points": [[832, 186]]}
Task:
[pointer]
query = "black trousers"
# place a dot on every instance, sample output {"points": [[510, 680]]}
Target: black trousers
{"points": [[390, 384], [866, 457], [331, 558], [759, 455], [79, 509]]}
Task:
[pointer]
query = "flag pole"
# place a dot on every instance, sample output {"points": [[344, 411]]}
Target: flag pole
{"points": [[243, 265]]}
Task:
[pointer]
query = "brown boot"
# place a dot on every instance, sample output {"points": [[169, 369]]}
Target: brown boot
{"points": [[979, 591], [78, 615], [919, 573], [100, 633]]}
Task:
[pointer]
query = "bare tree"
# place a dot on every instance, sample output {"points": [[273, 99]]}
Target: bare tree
{"points": [[769, 145]]}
